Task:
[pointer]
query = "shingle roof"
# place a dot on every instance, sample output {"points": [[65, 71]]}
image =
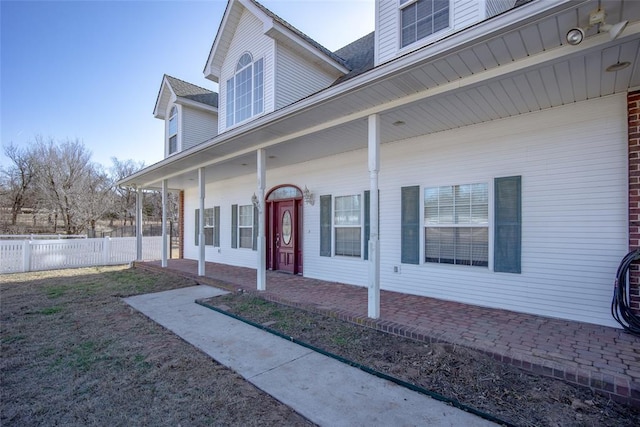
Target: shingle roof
{"points": [[190, 91], [358, 56], [308, 39]]}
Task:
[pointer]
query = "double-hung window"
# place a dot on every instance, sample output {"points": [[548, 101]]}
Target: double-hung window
{"points": [[245, 90], [173, 130], [245, 226], [422, 18], [456, 224], [209, 226], [347, 221]]}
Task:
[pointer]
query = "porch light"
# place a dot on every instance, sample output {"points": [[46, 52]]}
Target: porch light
{"points": [[308, 196], [255, 201], [575, 36]]}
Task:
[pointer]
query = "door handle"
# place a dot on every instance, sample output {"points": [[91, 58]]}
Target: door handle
{"points": [[277, 240]]}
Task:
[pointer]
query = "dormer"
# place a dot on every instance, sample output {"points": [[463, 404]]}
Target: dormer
{"points": [[403, 26], [262, 64], [190, 114]]}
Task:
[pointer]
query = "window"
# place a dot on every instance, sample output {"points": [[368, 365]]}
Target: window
{"points": [[173, 130], [245, 226], [421, 18], [456, 224], [347, 221], [245, 90], [209, 226]]}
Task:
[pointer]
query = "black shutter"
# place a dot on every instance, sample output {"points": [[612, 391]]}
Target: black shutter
{"points": [[216, 229], [234, 226], [325, 225], [254, 244], [197, 236], [367, 222], [410, 217], [508, 225]]}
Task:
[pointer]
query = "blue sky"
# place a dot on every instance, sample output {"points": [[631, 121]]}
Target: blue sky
{"points": [[91, 70]]}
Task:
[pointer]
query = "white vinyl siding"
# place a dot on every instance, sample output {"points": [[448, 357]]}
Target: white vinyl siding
{"points": [[297, 78], [463, 13], [249, 37], [572, 161], [198, 126]]}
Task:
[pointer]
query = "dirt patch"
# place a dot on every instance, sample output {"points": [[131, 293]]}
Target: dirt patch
{"points": [[458, 373], [73, 353]]}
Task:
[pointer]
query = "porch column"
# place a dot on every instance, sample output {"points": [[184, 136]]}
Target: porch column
{"points": [[201, 223], [138, 224], [165, 184], [374, 243], [262, 240]]}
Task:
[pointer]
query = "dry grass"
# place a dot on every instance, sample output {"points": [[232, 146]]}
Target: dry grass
{"points": [[73, 353]]}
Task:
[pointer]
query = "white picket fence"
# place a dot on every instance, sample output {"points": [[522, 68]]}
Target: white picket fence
{"points": [[35, 255]]}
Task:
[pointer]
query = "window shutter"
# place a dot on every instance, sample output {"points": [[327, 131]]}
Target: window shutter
{"points": [[254, 244], [325, 225], [508, 225], [367, 222], [410, 217], [197, 236], [216, 229], [234, 226]]}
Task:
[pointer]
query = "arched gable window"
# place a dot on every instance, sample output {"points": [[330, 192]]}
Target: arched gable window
{"points": [[173, 130], [245, 90]]}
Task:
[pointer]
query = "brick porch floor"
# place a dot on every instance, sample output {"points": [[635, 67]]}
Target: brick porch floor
{"points": [[605, 359]]}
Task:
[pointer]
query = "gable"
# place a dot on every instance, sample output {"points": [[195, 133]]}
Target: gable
{"points": [[272, 26], [181, 92]]}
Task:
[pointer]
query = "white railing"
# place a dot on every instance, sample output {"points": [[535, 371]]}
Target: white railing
{"points": [[33, 255], [41, 236]]}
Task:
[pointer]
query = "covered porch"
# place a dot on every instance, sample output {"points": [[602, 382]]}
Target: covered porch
{"points": [[603, 358]]}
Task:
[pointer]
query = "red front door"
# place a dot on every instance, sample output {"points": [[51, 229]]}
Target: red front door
{"points": [[285, 236]]}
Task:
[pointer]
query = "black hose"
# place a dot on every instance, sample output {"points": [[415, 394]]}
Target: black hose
{"points": [[620, 309]]}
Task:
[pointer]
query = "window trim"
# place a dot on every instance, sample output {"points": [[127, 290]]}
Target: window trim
{"points": [[335, 227], [255, 103], [489, 226], [427, 39], [175, 134]]}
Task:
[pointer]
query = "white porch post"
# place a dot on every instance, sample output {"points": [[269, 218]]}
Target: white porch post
{"points": [[165, 251], [201, 223], [374, 243], [139, 224], [262, 240]]}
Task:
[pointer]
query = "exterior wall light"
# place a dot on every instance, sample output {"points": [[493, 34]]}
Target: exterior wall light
{"points": [[308, 196]]}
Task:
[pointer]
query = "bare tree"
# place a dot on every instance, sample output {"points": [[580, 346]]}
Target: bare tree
{"points": [[71, 185], [16, 180], [125, 196]]}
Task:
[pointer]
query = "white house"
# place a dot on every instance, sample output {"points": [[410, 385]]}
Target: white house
{"points": [[479, 151]]}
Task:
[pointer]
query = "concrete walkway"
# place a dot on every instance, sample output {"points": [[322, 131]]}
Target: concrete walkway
{"points": [[322, 389]]}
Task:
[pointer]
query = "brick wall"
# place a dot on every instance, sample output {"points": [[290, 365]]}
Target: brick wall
{"points": [[633, 108]]}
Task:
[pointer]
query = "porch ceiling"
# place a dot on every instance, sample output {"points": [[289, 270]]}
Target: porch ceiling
{"points": [[524, 67]]}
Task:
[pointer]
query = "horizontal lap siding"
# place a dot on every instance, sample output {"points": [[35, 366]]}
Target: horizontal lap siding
{"points": [[297, 78], [226, 193], [574, 222], [198, 126]]}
